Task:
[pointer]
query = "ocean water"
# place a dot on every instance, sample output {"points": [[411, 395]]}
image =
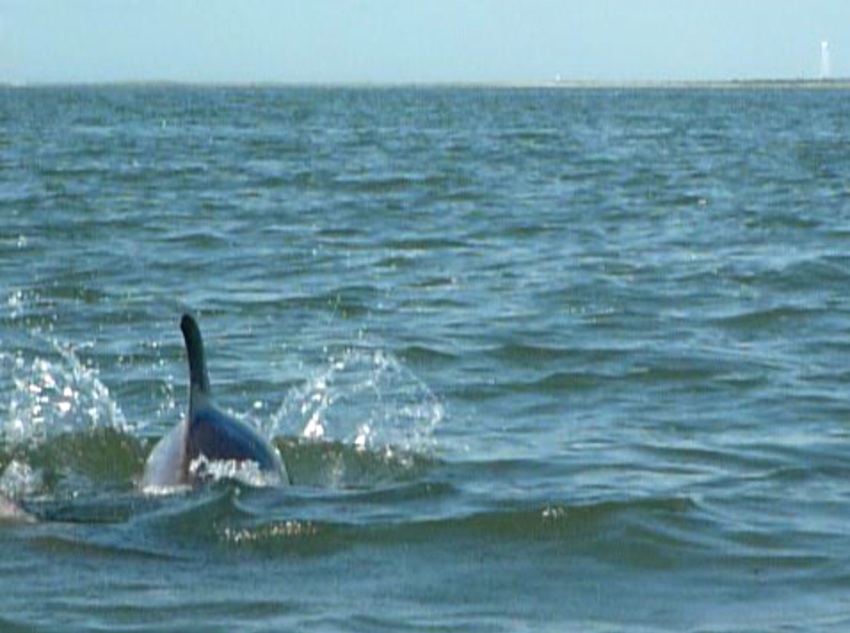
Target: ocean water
{"points": [[536, 360]]}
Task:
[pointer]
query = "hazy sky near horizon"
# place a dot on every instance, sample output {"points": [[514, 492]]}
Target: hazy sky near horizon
{"points": [[392, 41]]}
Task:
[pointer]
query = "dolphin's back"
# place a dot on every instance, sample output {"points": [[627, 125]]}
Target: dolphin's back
{"points": [[217, 436]]}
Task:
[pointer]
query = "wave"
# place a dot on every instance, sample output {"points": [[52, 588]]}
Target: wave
{"points": [[398, 183], [762, 319], [334, 465], [646, 533], [81, 487]]}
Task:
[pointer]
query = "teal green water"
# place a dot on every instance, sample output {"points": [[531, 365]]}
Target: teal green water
{"points": [[535, 359]]}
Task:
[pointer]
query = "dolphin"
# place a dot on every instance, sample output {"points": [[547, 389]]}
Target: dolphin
{"points": [[206, 432]]}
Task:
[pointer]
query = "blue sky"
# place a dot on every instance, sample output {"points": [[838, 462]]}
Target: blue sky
{"points": [[392, 41]]}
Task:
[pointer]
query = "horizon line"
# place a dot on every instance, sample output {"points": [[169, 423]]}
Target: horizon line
{"points": [[564, 83]]}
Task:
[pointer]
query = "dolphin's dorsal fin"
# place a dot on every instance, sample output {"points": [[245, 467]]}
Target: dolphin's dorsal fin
{"points": [[199, 381]]}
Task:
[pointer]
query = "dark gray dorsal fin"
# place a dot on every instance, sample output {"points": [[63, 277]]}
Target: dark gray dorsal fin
{"points": [[199, 381]]}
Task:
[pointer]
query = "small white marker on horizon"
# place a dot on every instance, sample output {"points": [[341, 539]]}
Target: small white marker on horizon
{"points": [[825, 64]]}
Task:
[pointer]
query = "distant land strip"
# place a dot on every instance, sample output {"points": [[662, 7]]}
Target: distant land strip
{"points": [[574, 84], [724, 84]]}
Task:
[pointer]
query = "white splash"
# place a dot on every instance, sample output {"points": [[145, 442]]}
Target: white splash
{"points": [[51, 397], [247, 472], [366, 398], [19, 479]]}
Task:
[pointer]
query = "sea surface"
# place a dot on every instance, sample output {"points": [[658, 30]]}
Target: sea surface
{"points": [[536, 359]]}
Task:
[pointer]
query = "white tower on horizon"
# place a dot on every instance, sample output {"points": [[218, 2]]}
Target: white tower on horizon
{"points": [[825, 64]]}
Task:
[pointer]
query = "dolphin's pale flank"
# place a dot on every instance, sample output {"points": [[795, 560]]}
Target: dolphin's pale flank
{"points": [[207, 432], [10, 513]]}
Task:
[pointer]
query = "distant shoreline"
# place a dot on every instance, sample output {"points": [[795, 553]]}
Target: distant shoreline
{"points": [[725, 84], [559, 84]]}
